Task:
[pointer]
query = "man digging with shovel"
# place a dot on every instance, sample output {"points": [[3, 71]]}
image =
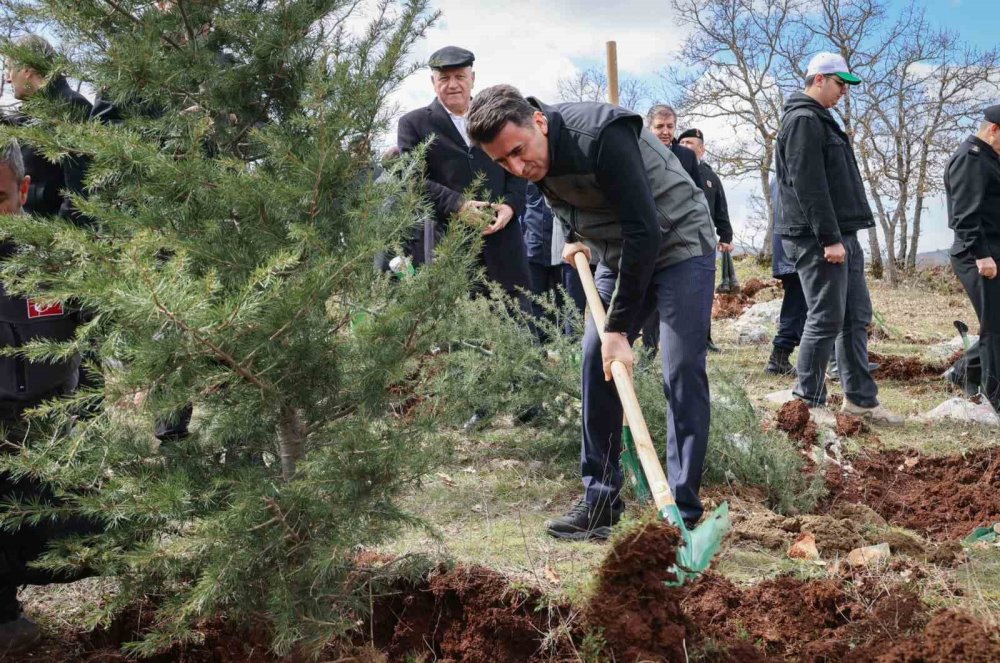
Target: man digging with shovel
{"points": [[623, 195]]}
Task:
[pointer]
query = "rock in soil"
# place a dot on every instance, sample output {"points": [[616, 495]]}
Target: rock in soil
{"points": [[943, 497], [964, 410]]}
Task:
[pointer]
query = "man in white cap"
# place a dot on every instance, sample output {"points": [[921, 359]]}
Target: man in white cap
{"points": [[824, 205]]}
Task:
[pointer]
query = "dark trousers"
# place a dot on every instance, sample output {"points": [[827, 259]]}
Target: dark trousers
{"points": [[19, 548], [839, 311], [792, 319], [556, 279], [985, 296], [682, 295]]}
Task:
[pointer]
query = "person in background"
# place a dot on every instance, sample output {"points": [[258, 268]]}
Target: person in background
{"points": [[792, 319], [972, 187]]}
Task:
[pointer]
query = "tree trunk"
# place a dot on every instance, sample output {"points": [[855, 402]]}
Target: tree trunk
{"points": [[877, 268], [911, 257], [292, 433]]}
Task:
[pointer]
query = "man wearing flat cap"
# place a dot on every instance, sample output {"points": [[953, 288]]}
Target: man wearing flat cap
{"points": [[453, 164], [823, 206], [972, 186]]}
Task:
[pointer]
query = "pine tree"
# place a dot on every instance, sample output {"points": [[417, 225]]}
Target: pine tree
{"points": [[227, 263]]}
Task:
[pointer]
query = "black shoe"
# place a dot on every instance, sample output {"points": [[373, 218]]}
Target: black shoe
{"points": [[712, 347], [18, 636], [778, 363], [581, 523]]}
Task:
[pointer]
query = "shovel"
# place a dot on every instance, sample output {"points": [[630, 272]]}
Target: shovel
{"points": [[698, 546], [963, 331]]}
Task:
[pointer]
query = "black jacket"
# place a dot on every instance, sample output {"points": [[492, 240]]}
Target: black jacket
{"points": [[972, 185], [451, 169], [50, 180], [716, 197], [689, 160], [821, 190]]}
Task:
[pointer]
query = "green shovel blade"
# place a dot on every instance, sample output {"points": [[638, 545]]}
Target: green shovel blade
{"points": [[698, 546], [630, 460]]}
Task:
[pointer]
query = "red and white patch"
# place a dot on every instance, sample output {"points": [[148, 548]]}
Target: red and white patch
{"points": [[38, 310]]}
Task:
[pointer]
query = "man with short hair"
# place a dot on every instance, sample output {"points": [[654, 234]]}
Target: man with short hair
{"points": [[49, 180], [26, 384], [823, 206], [454, 165], [621, 194], [972, 186]]}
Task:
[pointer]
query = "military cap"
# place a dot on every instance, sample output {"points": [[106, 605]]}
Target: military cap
{"points": [[451, 56], [992, 114], [692, 133]]}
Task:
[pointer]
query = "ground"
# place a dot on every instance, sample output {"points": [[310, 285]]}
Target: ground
{"points": [[487, 508]]}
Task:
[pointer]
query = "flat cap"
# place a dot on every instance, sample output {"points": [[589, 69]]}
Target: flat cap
{"points": [[451, 56], [992, 114], [692, 133]]}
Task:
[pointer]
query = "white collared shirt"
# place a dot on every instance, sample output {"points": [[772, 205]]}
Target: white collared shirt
{"points": [[461, 123]]}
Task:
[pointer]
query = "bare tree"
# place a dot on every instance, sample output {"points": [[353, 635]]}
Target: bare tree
{"points": [[592, 85], [735, 67]]}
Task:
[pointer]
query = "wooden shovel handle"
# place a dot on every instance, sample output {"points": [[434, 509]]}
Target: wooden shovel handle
{"points": [[644, 448]]}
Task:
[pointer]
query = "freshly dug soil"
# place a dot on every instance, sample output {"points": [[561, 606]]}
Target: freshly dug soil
{"points": [[850, 426], [793, 418], [468, 614], [752, 287], [948, 638], [896, 367], [941, 497], [729, 306], [639, 616]]}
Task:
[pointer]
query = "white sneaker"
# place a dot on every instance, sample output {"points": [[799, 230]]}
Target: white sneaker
{"points": [[877, 414]]}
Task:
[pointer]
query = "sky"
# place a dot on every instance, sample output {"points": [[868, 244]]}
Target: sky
{"points": [[532, 44]]}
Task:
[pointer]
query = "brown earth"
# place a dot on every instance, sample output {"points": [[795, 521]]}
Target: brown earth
{"points": [[468, 614], [730, 306], [793, 418], [850, 426], [896, 367], [753, 286], [942, 497], [950, 637]]}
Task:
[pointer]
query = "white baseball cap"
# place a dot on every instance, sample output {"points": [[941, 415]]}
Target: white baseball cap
{"points": [[831, 63]]}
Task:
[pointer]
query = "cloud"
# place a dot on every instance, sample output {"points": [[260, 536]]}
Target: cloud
{"points": [[531, 44]]}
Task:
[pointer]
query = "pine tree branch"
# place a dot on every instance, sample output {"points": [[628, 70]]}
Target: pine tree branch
{"points": [[127, 14]]}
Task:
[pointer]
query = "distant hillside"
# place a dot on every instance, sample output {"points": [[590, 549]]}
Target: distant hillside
{"points": [[933, 258]]}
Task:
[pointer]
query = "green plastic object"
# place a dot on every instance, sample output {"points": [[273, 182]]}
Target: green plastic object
{"points": [[630, 461], [699, 545], [983, 535]]}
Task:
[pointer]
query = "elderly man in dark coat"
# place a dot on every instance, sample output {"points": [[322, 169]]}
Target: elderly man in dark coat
{"points": [[454, 164]]}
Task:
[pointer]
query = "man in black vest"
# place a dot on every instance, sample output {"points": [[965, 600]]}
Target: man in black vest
{"points": [[23, 385], [823, 206], [624, 196], [661, 119], [49, 181], [454, 164], [972, 185]]}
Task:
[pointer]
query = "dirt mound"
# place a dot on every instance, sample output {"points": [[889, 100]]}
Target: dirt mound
{"points": [[791, 618], [942, 497], [793, 418], [850, 426], [639, 616], [752, 287], [949, 637], [896, 367], [729, 306], [465, 614]]}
